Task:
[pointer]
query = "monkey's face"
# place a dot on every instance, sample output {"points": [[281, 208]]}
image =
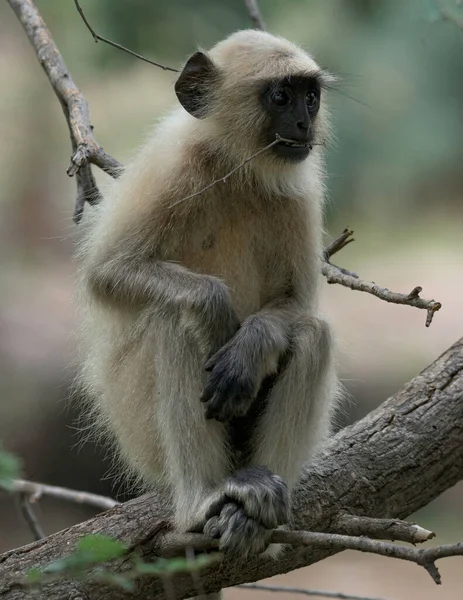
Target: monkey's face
{"points": [[255, 88], [291, 106]]}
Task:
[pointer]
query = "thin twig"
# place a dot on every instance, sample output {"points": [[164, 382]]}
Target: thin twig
{"points": [[335, 274], [36, 490], [240, 166], [304, 592], [338, 243], [425, 557], [97, 37], [85, 148], [30, 517], [254, 13]]}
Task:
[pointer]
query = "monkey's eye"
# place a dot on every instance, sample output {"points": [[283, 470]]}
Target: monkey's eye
{"points": [[279, 97], [312, 100]]}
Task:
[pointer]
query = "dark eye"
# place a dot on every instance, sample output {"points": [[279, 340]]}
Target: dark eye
{"points": [[312, 100], [279, 97]]}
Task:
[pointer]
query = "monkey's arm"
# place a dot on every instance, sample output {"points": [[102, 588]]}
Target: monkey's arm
{"points": [[138, 279]]}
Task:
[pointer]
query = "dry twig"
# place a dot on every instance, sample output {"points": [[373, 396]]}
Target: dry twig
{"points": [[254, 13], [36, 490], [304, 592], [425, 557], [30, 517], [278, 140], [97, 37], [384, 529], [345, 278], [85, 148]]}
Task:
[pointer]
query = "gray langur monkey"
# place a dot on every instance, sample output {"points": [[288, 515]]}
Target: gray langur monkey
{"points": [[203, 348]]}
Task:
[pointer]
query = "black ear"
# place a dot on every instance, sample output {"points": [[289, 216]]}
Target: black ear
{"points": [[194, 86]]}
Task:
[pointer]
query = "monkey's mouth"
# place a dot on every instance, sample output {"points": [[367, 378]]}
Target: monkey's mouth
{"points": [[293, 151], [297, 144]]}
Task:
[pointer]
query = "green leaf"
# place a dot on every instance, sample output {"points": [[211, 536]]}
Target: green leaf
{"points": [[90, 550], [118, 580], [10, 468], [100, 548], [34, 576]]}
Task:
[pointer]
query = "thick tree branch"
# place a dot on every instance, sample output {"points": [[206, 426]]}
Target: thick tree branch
{"points": [[85, 148], [388, 465]]}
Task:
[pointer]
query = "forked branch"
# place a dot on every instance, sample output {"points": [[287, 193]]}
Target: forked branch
{"points": [[335, 274], [85, 148]]}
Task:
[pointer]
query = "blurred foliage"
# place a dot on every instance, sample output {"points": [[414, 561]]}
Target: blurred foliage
{"points": [[401, 79], [92, 551], [10, 468]]}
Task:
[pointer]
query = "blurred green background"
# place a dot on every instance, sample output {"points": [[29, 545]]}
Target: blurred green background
{"points": [[395, 177]]}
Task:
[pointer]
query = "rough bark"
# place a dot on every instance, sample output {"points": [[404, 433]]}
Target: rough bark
{"points": [[389, 464]]}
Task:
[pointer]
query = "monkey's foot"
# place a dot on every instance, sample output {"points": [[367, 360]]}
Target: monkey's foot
{"points": [[238, 533], [252, 503]]}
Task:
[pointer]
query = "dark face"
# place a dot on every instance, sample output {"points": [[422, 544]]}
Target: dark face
{"points": [[291, 105]]}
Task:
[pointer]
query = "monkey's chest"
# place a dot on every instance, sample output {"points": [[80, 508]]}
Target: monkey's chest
{"points": [[250, 260]]}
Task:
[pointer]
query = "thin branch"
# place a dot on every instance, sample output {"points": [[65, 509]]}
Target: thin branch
{"points": [[384, 529], [30, 517], [176, 543], [85, 148], [254, 13], [304, 592], [345, 278], [237, 168], [100, 38], [36, 490], [449, 16]]}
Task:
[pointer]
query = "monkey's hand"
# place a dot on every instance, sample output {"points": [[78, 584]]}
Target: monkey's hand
{"points": [[253, 502], [232, 385]]}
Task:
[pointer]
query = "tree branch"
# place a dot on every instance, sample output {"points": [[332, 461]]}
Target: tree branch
{"points": [[388, 465], [351, 280], [254, 13], [97, 37], [302, 591], [30, 516], [85, 148], [36, 490]]}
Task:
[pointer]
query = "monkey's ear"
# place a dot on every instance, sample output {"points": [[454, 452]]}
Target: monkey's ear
{"points": [[195, 83]]}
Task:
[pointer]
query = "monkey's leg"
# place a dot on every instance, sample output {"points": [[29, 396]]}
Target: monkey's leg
{"points": [[195, 450], [295, 419], [300, 406]]}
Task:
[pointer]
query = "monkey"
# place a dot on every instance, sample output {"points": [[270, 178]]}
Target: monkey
{"points": [[204, 351]]}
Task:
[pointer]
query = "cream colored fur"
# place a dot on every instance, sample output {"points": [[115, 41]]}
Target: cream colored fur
{"points": [[143, 366]]}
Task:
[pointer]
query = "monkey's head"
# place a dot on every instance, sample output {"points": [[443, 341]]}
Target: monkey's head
{"points": [[253, 88]]}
